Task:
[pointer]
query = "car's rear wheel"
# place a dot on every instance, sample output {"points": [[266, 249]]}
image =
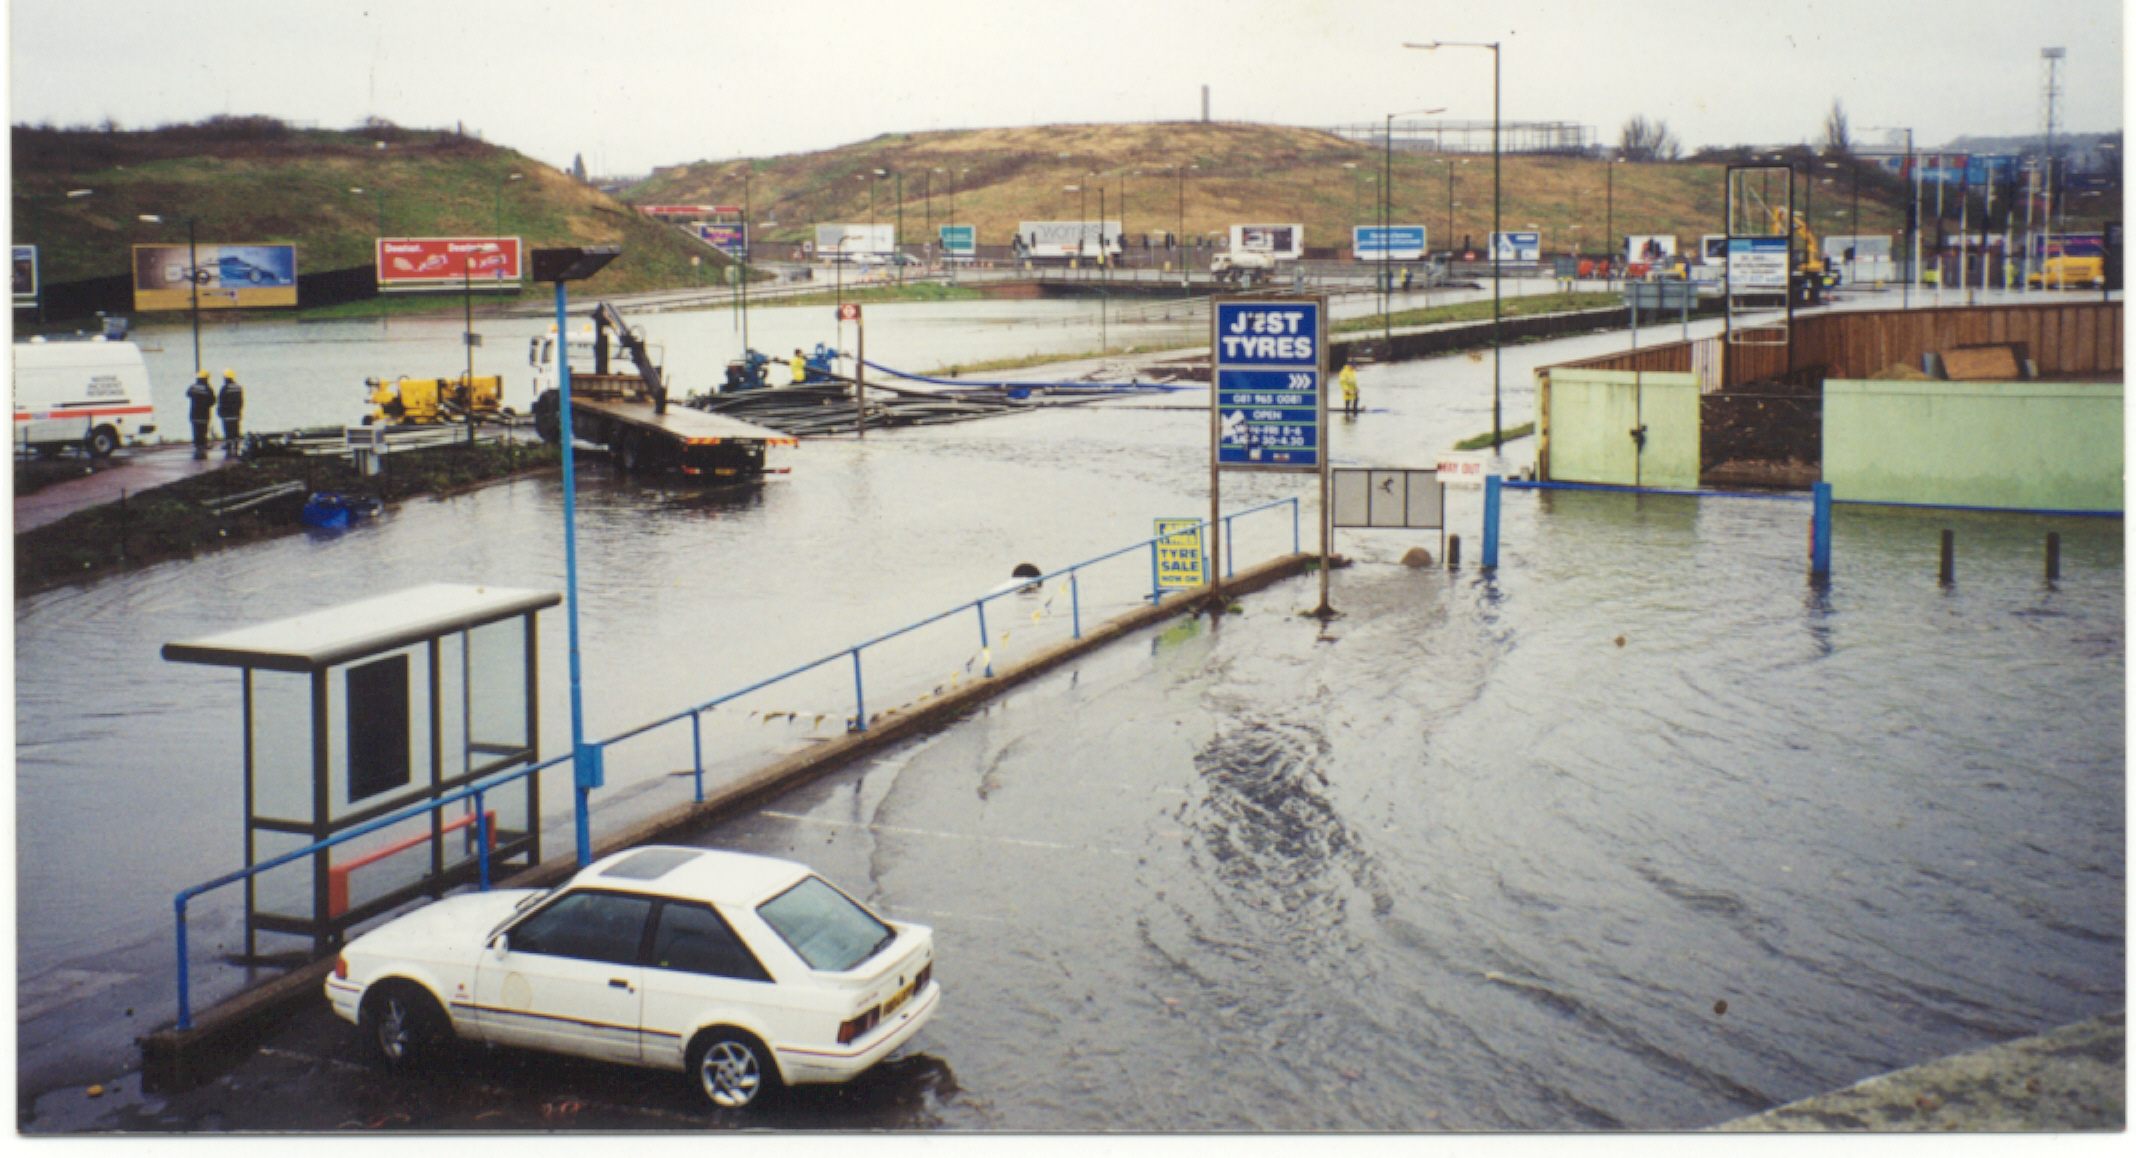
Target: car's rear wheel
{"points": [[403, 1026], [733, 1070], [102, 442]]}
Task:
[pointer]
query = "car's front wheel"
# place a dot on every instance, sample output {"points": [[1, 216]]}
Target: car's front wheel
{"points": [[733, 1070], [403, 1026]]}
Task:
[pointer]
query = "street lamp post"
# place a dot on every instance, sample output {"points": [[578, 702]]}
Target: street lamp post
{"points": [[1913, 251], [192, 277], [561, 266], [378, 250], [1386, 222], [72, 194], [1179, 239], [497, 218], [1497, 207]]}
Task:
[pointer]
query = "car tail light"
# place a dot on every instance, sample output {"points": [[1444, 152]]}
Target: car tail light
{"points": [[856, 1028], [341, 968], [926, 974]]}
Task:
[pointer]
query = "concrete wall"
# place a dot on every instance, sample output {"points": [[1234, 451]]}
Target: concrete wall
{"points": [[1587, 420], [2045, 446]]}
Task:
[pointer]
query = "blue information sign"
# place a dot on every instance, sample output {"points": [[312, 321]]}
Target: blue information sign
{"points": [[1268, 384], [1392, 243]]}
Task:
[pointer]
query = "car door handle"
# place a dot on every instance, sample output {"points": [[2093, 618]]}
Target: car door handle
{"points": [[618, 983]]}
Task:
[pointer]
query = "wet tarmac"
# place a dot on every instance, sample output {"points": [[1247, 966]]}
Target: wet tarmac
{"points": [[1484, 854]]}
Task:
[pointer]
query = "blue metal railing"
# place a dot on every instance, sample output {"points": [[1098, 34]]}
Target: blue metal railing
{"points": [[859, 723]]}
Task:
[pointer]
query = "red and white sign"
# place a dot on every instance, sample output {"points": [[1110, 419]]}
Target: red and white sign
{"points": [[432, 261], [849, 312], [1463, 468], [688, 210]]}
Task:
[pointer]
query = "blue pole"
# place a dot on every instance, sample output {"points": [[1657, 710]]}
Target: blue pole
{"points": [[185, 1005], [860, 702], [1231, 560], [585, 772], [1294, 526], [697, 753], [1156, 592], [1075, 604], [985, 648], [1490, 521], [1820, 529]]}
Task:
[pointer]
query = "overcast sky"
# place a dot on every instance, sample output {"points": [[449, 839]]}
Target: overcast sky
{"points": [[631, 84]]}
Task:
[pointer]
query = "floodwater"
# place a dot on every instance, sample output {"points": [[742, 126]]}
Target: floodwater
{"points": [[1484, 853]]}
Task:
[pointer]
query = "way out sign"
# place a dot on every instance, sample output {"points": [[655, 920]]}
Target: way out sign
{"points": [[1269, 362]]}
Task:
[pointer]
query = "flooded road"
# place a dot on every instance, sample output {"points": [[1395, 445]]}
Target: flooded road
{"points": [[1481, 854]]}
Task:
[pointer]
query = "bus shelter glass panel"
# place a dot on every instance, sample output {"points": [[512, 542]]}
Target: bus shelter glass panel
{"points": [[280, 709], [499, 708]]}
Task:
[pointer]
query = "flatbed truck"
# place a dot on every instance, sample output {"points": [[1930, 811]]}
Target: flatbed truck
{"points": [[628, 413]]}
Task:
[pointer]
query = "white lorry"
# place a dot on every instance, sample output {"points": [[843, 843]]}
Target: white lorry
{"points": [[1243, 266], [91, 394]]}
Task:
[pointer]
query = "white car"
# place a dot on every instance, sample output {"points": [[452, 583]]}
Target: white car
{"points": [[746, 972]]}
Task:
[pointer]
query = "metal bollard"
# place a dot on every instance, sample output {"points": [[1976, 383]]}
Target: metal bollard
{"points": [[1946, 569], [2054, 556], [1453, 552], [1490, 522], [1820, 530]]}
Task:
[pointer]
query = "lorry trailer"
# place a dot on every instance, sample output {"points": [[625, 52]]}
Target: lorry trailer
{"points": [[628, 413]]}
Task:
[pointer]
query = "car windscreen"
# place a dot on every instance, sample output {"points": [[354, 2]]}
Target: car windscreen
{"points": [[824, 926]]}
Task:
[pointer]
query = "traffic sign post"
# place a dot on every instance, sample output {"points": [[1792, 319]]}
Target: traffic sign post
{"points": [[850, 312], [1268, 408]]}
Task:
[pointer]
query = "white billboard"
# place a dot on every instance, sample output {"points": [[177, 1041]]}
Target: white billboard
{"points": [[845, 242], [1068, 238], [1649, 248], [1283, 242], [1517, 246]]}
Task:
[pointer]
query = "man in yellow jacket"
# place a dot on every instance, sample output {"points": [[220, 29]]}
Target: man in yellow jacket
{"points": [[798, 366], [1348, 378]]}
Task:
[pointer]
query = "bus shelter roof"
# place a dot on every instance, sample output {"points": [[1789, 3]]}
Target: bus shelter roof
{"points": [[329, 636]]}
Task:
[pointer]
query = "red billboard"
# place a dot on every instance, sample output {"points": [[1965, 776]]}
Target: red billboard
{"points": [[446, 262]]}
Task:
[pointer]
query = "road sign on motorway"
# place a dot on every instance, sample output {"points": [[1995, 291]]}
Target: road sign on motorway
{"points": [[1270, 408]]}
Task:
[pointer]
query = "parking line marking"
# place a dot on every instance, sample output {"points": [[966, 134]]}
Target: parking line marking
{"points": [[903, 831]]}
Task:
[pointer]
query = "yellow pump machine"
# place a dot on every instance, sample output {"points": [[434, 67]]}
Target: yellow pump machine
{"points": [[432, 401]]}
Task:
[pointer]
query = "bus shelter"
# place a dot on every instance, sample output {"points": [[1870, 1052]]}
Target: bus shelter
{"points": [[356, 712]]}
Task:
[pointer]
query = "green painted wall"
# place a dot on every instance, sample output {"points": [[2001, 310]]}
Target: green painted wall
{"points": [[2044, 446], [1592, 413]]}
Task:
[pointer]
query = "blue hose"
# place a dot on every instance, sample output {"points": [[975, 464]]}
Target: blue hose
{"points": [[1083, 387]]}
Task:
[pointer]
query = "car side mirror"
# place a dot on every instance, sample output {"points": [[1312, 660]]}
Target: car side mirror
{"points": [[501, 943]]}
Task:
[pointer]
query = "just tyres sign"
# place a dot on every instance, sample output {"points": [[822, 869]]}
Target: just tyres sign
{"points": [[1270, 408], [437, 262]]}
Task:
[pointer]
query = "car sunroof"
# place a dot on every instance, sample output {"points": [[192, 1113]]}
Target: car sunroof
{"points": [[651, 864]]}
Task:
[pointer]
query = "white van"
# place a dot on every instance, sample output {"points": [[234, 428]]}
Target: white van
{"points": [[92, 394]]}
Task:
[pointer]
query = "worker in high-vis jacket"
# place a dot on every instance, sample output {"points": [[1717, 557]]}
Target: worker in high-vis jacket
{"points": [[1348, 378], [798, 367]]}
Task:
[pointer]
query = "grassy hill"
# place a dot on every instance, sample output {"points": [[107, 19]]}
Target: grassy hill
{"points": [[1196, 178], [254, 179]]}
